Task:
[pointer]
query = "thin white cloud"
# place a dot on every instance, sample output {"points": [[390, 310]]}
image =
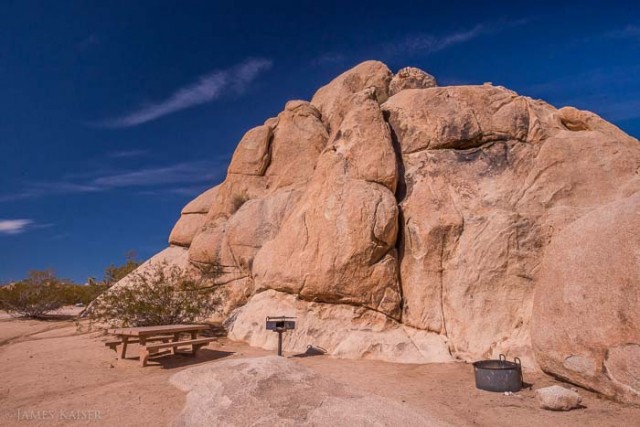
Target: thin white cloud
{"points": [[208, 88], [177, 191], [41, 189], [329, 58], [175, 174], [609, 92], [428, 43], [628, 32], [160, 179], [127, 154], [619, 78], [14, 226], [88, 42], [60, 236], [422, 43]]}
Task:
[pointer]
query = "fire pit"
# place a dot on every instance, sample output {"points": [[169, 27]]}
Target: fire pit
{"points": [[280, 324], [498, 375]]}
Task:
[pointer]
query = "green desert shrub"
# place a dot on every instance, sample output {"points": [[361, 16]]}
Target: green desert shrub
{"points": [[40, 293], [113, 273], [161, 295], [73, 294]]}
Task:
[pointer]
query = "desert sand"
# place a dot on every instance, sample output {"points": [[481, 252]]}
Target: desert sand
{"points": [[59, 371]]}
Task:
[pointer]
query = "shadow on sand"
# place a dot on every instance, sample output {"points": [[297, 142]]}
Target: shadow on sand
{"points": [[312, 351], [172, 361], [43, 318]]}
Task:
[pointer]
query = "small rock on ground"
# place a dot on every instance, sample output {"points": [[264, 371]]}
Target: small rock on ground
{"points": [[558, 398]]}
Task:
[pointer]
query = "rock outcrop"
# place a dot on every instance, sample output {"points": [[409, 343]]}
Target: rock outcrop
{"points": [[408, 222], [272, 390], [586, 314], [411, 78], [348, 331]]}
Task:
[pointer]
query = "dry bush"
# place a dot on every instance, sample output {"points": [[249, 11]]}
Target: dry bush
{"points": [[40, 293], [161, 295]]}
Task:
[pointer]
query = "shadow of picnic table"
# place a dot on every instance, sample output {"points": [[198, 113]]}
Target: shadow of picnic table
{"points": [[204, 355]]}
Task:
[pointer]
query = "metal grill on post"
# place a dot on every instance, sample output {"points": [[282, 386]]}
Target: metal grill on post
{"points": [[280, 324]]}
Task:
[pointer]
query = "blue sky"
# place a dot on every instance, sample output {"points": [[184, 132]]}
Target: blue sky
{"points": [[115, 114]]}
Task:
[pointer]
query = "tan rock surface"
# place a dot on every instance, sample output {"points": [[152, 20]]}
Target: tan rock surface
{"points": [[338, 241], [272, 390], [432, 206], [202, 203], [557, 398], [586, 322], [233, 192], [298, 139], [363, 142], [255, 223], [480, 202], [337, 248], [252, 154], [206, 245], [230, 196], [411, 78], [461, 117], [334, 100], [186, 228], [344, 331]]}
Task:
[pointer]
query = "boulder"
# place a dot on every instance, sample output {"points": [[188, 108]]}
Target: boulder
{"points": [[363, 143], [458, 224], [252, 154], [586, 322], [336, 247], [334, 100], [205, 248], [272, 390], [337, 243], [461, 117], [411, 78], [230, 196], [556, 398], [255, 223], [202, 203], [186, 228], [298, 139], [479, 200]]}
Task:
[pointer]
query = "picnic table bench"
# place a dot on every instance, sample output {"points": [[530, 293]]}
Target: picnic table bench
{"points": [[152, 339]]}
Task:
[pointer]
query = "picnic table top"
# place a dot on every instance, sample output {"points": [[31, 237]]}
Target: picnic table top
{"points": [[153, 330]]}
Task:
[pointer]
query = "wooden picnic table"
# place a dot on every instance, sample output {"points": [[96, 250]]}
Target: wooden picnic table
{"points": [[148, 336]]}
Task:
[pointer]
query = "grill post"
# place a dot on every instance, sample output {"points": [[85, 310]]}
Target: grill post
{"points": [[280, 324]]}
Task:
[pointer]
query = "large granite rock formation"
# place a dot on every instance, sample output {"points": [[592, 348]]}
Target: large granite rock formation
{"points": [[408, 222]]}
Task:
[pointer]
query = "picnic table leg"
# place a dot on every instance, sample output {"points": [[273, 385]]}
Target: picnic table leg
{"points": [[194, 348], [144, 353], [176, 338], [123, 348]]}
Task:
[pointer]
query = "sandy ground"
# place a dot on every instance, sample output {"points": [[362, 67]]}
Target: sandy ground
{"points": [[52, 373]]}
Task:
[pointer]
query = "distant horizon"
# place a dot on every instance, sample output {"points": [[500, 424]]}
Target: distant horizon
{"points": [[115, 116]]}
